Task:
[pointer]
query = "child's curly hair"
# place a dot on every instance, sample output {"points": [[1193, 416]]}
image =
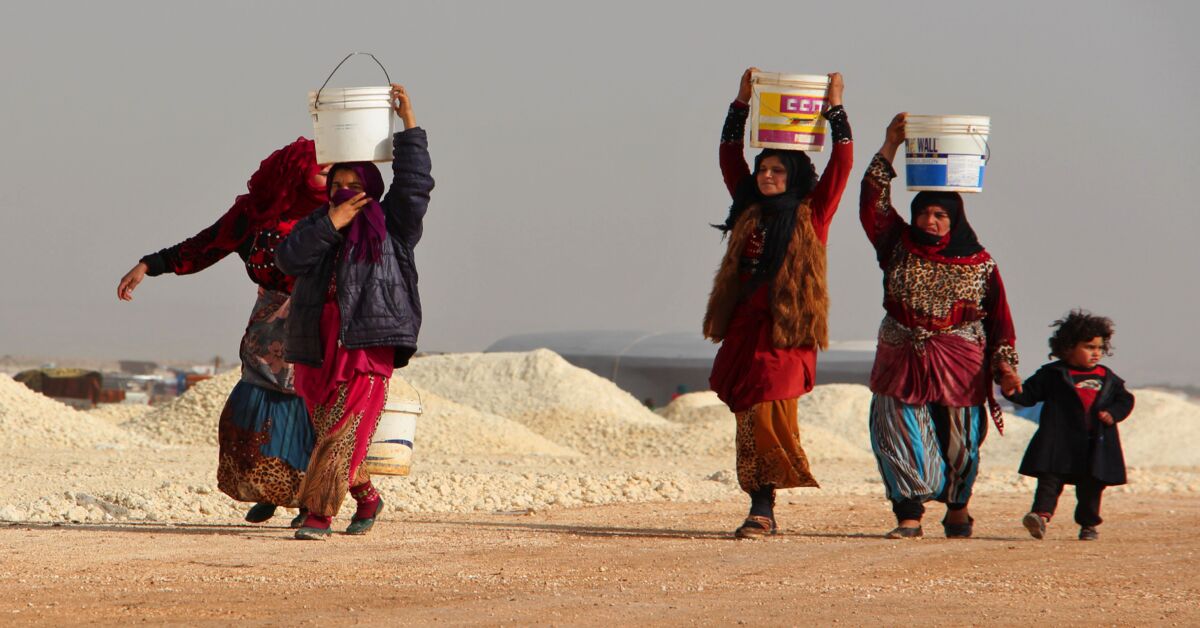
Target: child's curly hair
{"points": [[1079, 326]]}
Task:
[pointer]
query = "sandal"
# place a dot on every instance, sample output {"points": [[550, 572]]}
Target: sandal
{"points": [[959, 530], [755, 527], [904, 533], [260, 512], [362, 526]]}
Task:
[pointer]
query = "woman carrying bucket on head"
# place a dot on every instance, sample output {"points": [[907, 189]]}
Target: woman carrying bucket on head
{"points": [[355, 315], [769, 305], [946, 335], [263, 431]]}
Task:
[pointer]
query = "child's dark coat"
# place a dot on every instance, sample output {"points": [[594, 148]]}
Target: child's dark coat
{"points": [[1063, 445]]}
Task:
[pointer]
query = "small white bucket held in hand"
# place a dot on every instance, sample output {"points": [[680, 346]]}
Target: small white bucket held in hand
{"points": [[785, 111], [946, 153], [391, 449], [352, 123]]}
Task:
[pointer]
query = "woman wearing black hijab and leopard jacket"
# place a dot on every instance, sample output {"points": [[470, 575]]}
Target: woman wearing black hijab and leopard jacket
{"points": [[947, 334]]}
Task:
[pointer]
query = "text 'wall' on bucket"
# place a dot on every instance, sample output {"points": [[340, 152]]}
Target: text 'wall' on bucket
{"points": [[946, 153]]}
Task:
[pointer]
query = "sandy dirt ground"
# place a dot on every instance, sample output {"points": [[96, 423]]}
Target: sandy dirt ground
{"points": [[629, 564]]}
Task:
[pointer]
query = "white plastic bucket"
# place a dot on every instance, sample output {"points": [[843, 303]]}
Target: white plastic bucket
{"points": [[946, 153], [391, 449], [785, 111], [352, 123]]}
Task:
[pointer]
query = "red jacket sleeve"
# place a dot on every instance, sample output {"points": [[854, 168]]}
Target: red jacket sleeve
{"points": [[203, 249], [826, 196]]}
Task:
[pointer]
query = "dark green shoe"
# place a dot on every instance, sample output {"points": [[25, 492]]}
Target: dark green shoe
{"points": [[260, 512], [298, 520], [362, 526], [313, 534]]}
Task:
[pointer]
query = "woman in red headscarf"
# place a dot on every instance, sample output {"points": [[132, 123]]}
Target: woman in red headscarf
{"points": [[264, 433]]}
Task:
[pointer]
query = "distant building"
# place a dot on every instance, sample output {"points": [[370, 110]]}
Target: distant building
{"points": [[138, 367], [656, 365]]}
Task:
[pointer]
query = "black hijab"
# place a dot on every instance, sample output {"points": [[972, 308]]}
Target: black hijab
{"points": [[961, 241], [778, 212]]}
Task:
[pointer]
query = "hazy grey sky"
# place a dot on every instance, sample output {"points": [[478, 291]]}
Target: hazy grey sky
{"points": [[575, 152]]}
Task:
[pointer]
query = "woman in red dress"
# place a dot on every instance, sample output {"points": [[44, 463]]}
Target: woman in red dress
{"points": [[769, 304]]}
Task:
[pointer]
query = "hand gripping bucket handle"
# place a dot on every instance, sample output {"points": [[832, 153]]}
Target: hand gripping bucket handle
{"points": [[317, 100]]}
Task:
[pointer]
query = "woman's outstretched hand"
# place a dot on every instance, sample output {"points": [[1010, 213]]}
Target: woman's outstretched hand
{"points": [[131, 281], [403, 106], [341, 215], [744, 90], [836, 87], [894, 136], [1010, 382]]}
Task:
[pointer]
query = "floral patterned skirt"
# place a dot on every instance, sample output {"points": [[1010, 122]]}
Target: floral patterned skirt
{"points": [[264, 433]]}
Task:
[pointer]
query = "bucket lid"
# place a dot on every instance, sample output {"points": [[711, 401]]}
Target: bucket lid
{"points": [[927, 121], [334, 96], [800, 80]]}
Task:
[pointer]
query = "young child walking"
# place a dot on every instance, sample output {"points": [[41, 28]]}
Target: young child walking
{"points": [[355, 316], [1076, 441]]}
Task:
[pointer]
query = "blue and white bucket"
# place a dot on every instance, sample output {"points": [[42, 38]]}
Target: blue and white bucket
{"points": [[946, 153]]}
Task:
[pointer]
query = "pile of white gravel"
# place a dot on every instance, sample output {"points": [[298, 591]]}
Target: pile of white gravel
{"points": [[1162, 430], [502, 432], [31, 420], [191, 418], [119, 413]]}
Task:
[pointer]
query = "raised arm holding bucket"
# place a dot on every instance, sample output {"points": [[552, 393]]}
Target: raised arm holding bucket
{"points": [[769, 304], [947, 333], [355, 316]]}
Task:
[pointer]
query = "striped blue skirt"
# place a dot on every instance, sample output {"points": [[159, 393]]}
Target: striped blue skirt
{"points": [[927, 452]]}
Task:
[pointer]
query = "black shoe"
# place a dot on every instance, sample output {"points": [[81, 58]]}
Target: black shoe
{"points": [[904, 533], [1035, 524], [1088, 533], [260, 512], [959, 530], [298, 520]]}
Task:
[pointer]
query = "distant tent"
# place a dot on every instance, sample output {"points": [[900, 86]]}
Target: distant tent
{"points": [[77, 387], [657, 366]]}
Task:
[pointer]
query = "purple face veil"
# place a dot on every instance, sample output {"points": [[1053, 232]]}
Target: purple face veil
{"points": [[366, 233]]}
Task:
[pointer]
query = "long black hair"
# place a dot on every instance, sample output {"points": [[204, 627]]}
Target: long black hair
{"points": [[778, 212]]}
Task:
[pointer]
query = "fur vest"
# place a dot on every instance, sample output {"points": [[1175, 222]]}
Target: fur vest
{"points": [[799, 298]]}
